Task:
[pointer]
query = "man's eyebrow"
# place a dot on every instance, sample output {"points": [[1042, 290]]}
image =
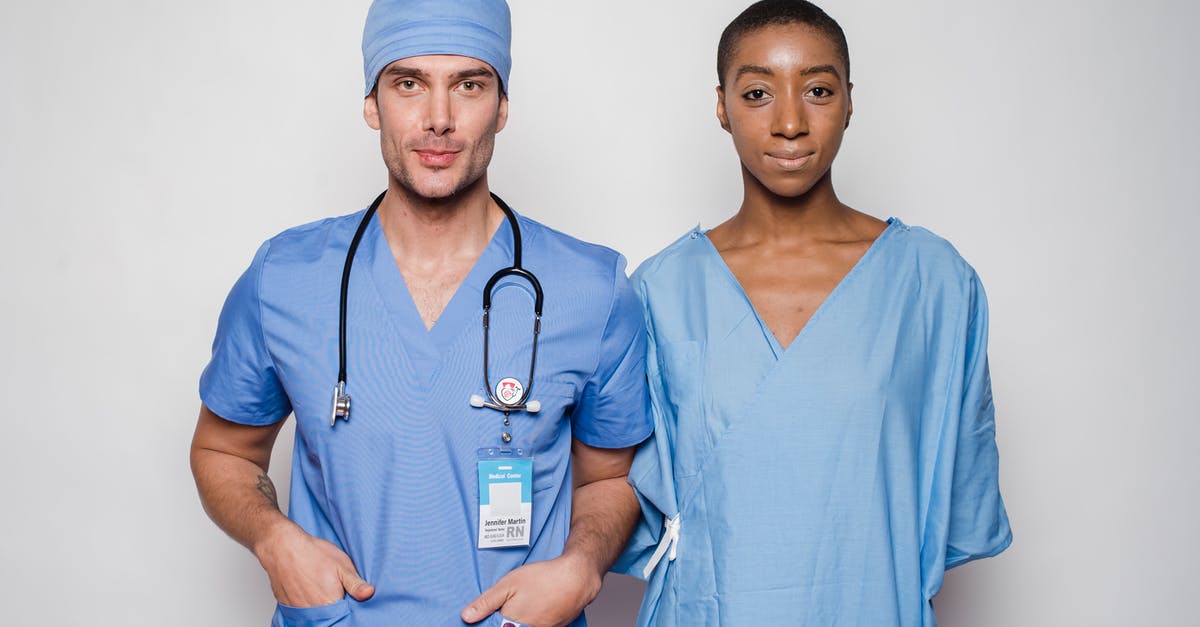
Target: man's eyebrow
{"points": [[403, 70], [477, 72]]}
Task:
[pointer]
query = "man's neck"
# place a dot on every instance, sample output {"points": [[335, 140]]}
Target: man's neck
{"points": [[426, 230], [435, 243]]}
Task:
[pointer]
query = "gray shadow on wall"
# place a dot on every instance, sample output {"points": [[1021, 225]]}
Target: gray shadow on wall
{"points": [[617, 605]]}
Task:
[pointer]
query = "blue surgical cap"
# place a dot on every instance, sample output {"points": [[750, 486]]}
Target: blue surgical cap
{"points": [[398, 29]]}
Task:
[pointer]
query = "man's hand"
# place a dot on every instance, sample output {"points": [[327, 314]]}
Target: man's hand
{"points": [[541, 594], [229, 462], [307, 571], [603, 513]]}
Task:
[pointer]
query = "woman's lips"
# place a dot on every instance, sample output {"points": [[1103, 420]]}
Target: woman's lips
{"points": [[790, 160]]}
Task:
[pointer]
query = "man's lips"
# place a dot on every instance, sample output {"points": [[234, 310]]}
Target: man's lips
{"points": [[436, 158], [790, 160]]}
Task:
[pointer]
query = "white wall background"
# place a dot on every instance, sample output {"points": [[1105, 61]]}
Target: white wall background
{"points": [[146, 148]]}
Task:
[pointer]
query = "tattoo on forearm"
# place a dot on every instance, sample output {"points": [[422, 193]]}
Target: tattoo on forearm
{"points": [[267, 489]]}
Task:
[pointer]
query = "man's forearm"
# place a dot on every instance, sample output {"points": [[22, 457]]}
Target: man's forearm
{"points": [[603, 517], [238, 495], [229, 463]]}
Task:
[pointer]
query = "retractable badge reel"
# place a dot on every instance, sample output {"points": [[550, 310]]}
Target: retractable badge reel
{"points": [[508, 396]]}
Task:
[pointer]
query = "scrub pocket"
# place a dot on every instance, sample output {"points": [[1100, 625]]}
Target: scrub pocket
{"points": [[337, 613], [541, 434]]}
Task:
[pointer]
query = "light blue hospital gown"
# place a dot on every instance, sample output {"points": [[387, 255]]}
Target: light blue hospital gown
{"points": [[396, 486], [831, 483]]}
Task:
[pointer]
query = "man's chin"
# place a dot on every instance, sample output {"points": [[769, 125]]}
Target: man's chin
{"points": [[434, 191]]}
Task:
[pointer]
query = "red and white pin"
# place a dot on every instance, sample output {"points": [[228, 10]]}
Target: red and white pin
{"points": [[509, 391]]}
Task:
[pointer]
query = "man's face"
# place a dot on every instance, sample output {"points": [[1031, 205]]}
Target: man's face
{"points": [[438, 116], [786, 102]]}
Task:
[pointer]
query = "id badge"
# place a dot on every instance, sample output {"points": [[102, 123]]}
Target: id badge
{"points": [[505, 498]]}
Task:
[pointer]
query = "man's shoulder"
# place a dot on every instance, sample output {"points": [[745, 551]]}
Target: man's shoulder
{"points": [[565, 251], [308, 242]]}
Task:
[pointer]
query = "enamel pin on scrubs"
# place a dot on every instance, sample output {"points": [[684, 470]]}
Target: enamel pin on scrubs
{"points": [[508, 390]]}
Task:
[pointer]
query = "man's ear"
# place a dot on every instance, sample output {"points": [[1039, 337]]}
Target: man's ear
{"points": [[371, 110], [722, 117], [849, 103], [502, 113]]}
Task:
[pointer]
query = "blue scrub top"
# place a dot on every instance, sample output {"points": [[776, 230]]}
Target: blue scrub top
{"points": [[396, 486], [829, 483]]}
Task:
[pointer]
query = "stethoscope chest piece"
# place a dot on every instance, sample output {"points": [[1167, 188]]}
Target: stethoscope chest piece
{"points": [[341, 404]]}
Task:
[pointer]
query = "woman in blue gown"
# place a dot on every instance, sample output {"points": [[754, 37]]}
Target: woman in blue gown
{"points": [[825, 445]]}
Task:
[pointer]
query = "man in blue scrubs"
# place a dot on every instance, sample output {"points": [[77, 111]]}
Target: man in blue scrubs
{"points": [[826, 439], [394, 511]]}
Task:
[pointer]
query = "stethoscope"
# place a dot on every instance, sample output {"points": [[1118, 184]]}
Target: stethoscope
{"points": [[509, 395]]}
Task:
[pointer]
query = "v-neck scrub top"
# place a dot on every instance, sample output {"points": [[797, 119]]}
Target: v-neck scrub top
{"points": [[396, 486], [831, 483]]}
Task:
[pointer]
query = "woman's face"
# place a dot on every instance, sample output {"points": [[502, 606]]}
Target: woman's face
{"points": [[786, 102]]}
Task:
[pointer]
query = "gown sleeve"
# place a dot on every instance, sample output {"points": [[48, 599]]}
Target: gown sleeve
{"points": [[968, 520], [650, 549], [978, 521], [240, 383]]}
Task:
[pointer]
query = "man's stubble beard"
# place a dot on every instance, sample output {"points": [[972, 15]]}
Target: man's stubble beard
{"points": [[480, 157]]}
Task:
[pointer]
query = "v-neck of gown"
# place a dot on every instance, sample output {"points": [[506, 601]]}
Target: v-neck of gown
{"points": [[465, 306], [777, 349]]}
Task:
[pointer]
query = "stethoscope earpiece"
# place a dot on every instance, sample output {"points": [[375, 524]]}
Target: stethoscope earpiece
{"points": [[532, 407]]}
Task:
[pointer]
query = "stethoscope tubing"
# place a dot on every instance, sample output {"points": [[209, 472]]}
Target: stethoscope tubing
{"points": [[341, 401], [345, 293]]}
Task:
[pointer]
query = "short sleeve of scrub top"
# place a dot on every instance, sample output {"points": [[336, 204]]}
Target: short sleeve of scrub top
{"points": [[613, 407], [240, 383]]}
